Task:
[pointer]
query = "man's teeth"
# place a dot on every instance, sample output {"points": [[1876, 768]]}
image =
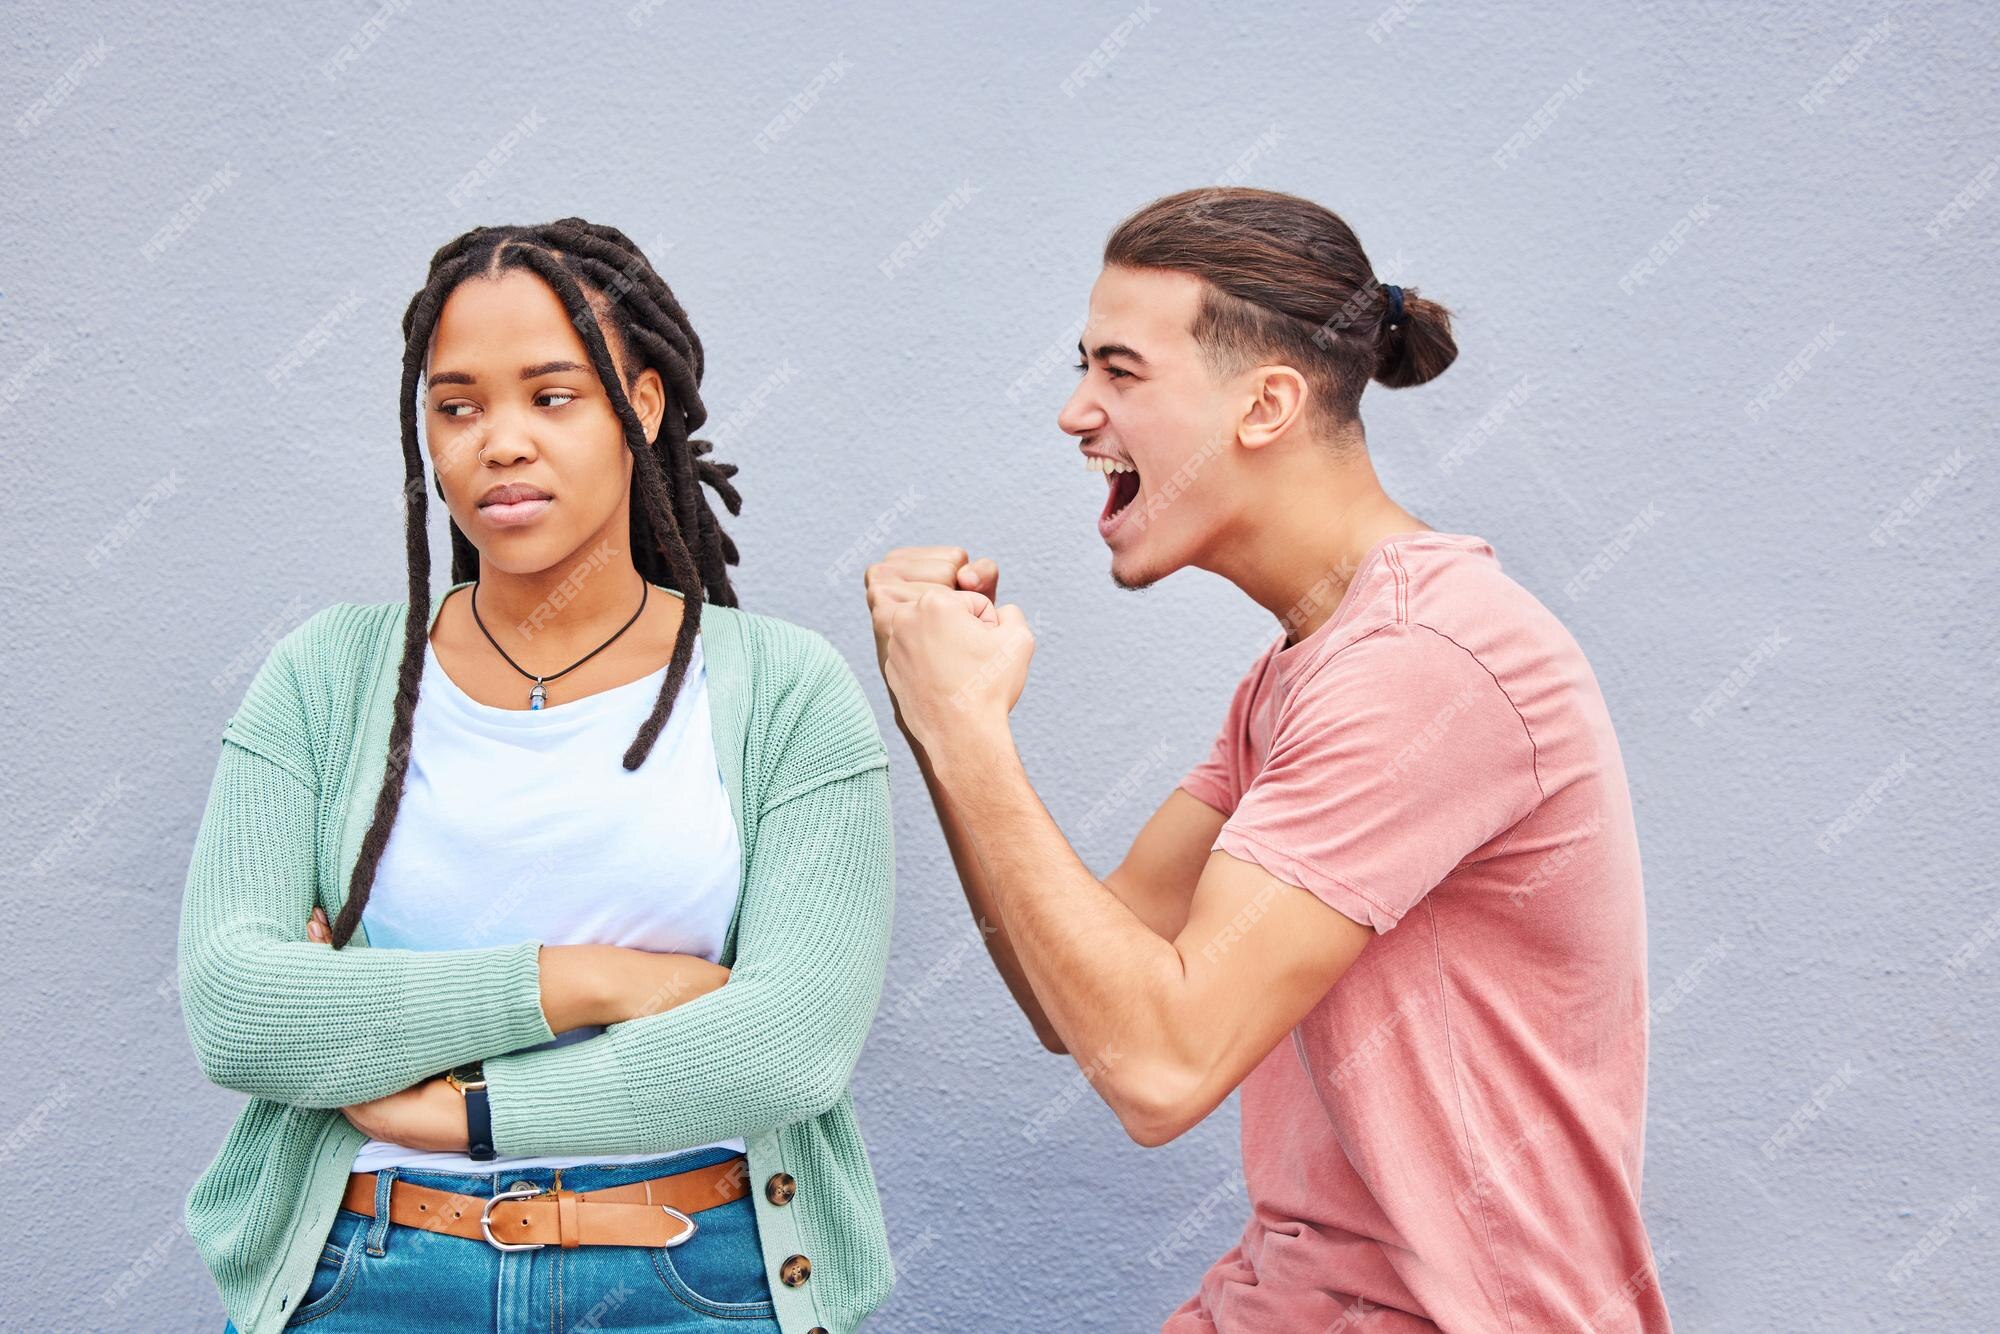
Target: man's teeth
{"points": [[1094, 463]]}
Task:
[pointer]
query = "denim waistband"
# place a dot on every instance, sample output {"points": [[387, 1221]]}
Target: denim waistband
{"points": [[581, 1176]]}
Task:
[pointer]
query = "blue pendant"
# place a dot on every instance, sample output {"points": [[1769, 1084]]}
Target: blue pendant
{"points": [[536, 696]]}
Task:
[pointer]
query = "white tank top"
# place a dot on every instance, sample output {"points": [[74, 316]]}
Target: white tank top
{"points": [[523, 824]]}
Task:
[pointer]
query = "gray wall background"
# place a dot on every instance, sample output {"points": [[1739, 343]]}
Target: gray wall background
{"points": [[1725, 283]]}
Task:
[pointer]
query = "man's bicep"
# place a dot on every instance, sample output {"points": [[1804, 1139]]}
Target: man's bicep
{"points": [[1158, 876], [1257, 954]]}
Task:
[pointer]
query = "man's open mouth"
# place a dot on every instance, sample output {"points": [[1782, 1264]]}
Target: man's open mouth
{"points": [[1122, 483]]}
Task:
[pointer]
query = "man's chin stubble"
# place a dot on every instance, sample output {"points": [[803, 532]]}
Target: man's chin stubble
{"points": [[1132, 585]]}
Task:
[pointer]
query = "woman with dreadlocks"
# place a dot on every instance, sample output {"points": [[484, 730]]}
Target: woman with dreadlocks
{"points": [[608, 862]]}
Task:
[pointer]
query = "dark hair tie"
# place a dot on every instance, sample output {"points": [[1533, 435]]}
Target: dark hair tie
{"points": [[1395, 312]]}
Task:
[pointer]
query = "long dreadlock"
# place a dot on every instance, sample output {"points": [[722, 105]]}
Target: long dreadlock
{"points": [[676, 540]]}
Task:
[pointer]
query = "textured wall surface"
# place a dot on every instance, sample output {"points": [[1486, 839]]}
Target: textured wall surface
{"points": [[1724, 280]]}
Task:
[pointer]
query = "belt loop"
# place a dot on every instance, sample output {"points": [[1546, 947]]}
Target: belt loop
{"points": [[568, 1233], [378, 1231]]}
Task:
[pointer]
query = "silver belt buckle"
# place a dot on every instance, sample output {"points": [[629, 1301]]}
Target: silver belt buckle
{"points": [[486, 1220]]}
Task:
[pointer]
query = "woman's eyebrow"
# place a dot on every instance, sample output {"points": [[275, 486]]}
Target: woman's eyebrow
{"points": [[558, 367]]}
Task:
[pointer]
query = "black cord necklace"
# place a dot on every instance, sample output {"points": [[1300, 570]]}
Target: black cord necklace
{"points": [[537, 695]]}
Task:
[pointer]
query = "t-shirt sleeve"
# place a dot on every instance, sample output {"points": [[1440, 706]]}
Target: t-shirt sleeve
{"points": [[1390, 764], [1219, 779]]}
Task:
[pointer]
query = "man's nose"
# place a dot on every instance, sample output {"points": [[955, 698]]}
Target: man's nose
{"points": [[1081, 414]]}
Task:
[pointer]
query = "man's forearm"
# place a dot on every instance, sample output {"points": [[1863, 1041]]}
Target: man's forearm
{"points": [[1105, 981], [977, 897]]}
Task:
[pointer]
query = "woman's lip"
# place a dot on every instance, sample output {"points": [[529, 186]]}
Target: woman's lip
{"points": [[509, 514]]}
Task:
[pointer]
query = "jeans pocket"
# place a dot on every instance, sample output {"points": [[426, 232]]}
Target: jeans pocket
{"points": [[720, 1270], [339, 1265]]}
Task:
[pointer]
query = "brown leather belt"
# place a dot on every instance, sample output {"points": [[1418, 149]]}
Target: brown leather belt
{"points": [[654, 1212]]}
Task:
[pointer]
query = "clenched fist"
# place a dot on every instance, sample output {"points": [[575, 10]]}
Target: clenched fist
{"points": [[954, 660], [900, 577]]}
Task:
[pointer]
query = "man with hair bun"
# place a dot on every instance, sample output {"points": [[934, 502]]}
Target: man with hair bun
{"points": [[1398, 905]]}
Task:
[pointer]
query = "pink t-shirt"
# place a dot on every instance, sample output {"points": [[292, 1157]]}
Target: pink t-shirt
{"points": [[1451, 1138]]}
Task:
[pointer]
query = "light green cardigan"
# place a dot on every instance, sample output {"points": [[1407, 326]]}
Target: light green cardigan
{"points": [[306, 1029]]}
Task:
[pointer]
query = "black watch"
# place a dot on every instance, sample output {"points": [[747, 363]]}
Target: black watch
{"points": [[471, 1081]]}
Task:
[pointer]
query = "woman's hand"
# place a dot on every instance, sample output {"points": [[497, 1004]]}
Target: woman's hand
{"points": [[630, 983], [429, 1117], [601, 984], [581, 984]]}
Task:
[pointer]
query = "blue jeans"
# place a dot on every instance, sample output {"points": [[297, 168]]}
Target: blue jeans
{"points": [[376, 1275]]}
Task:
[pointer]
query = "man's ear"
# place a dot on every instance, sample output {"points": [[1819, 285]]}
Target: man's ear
{"points": [[1277, 399]]}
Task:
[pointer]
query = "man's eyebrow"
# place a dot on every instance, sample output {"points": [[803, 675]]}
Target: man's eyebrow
{"points": [[562, 366], [1105, 351]]}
